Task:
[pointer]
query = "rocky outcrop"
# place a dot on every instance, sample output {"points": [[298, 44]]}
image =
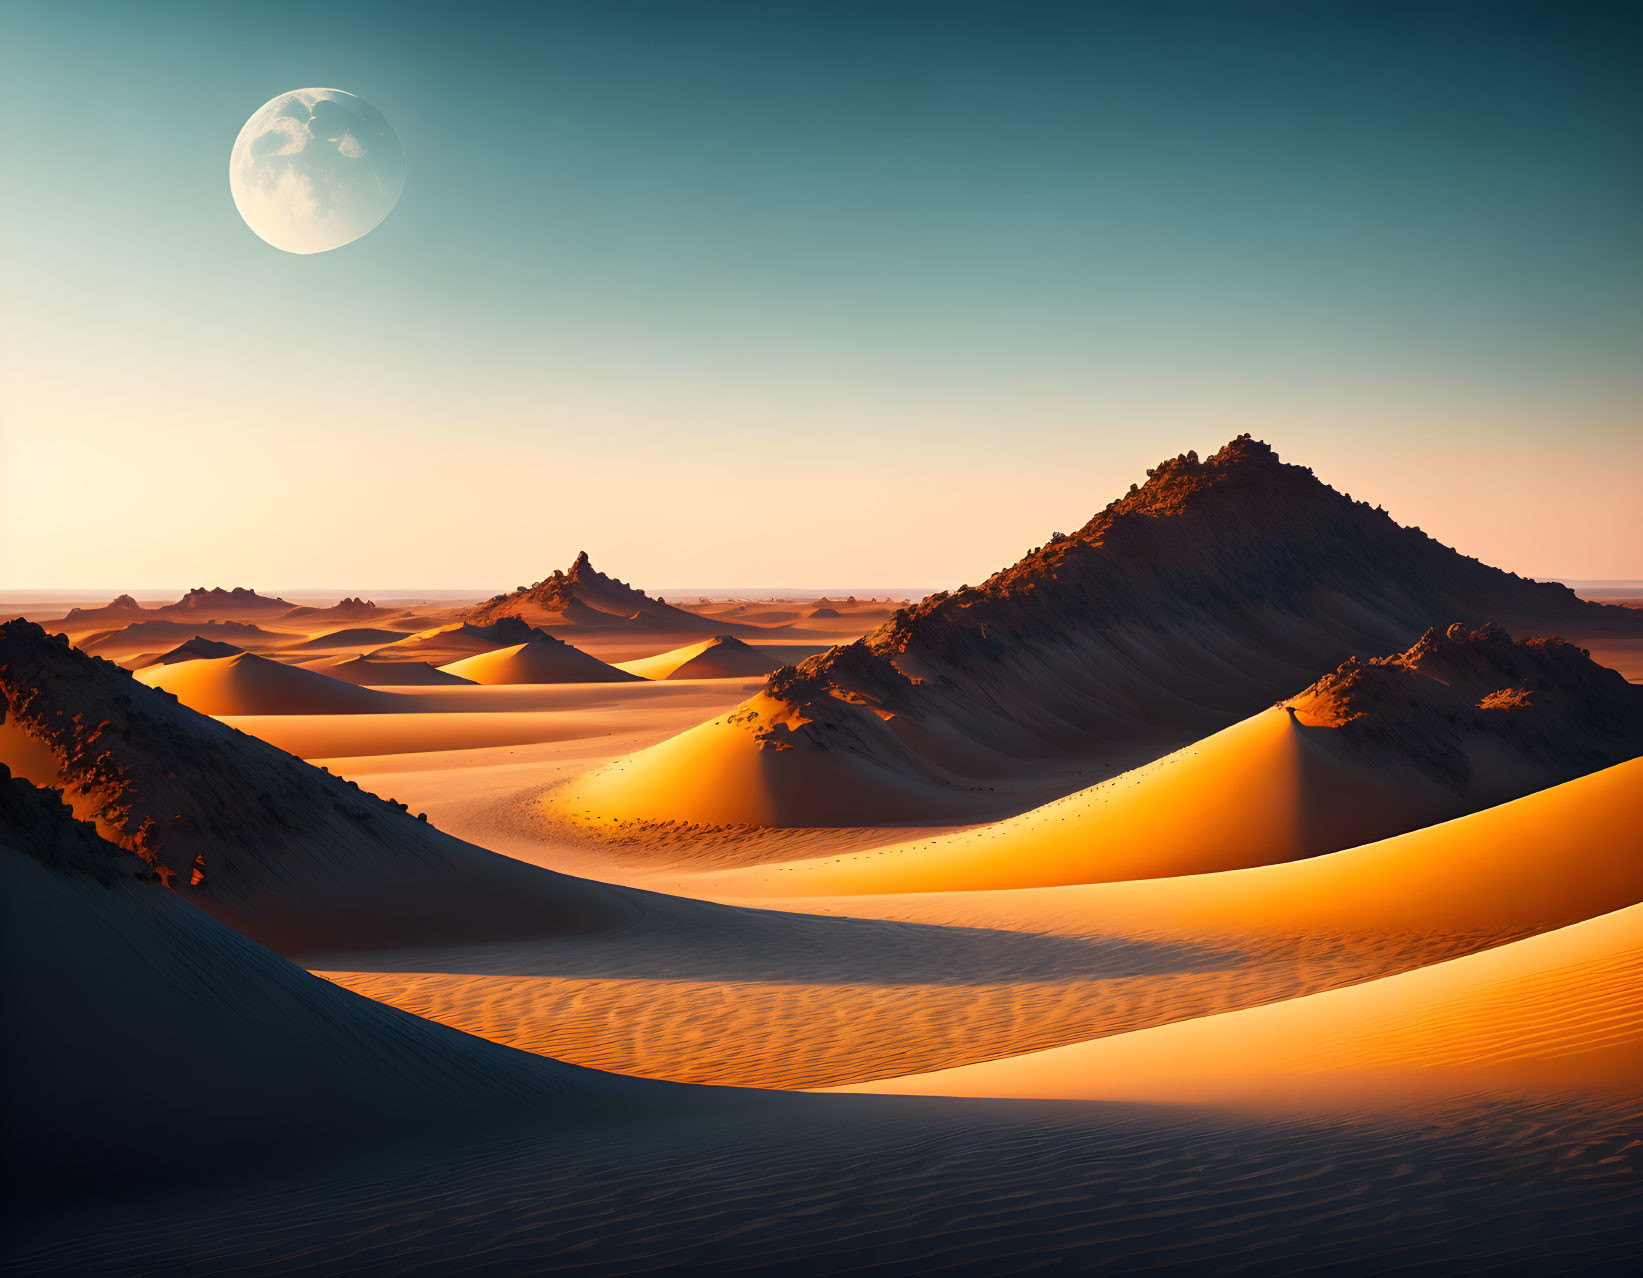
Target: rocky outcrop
{"points": [[217, 602], [1543, 701], [585, 598]]}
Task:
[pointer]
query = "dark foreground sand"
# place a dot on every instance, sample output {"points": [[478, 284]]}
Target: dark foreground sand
{"points": [[828, 1184]]}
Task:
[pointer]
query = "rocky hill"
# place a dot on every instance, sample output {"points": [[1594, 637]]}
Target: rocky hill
{"points": [[1192, 601], [585, 598]]}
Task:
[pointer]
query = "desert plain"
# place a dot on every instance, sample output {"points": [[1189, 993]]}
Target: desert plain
{"points": [[1242, 882]]}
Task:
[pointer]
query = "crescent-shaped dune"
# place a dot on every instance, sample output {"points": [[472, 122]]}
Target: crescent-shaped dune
{"points": [[249, 684], [1555, 1013], [540, 660]]}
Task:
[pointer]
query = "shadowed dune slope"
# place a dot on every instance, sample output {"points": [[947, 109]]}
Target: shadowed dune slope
{"points": [[292, 856], [721, 657], [148, 1039], [1461, 721], [1186, 605], [354, 637], [151, 636], [196, 649], [1559, 1012], [248, 684], [541, 660], [379, 672]]}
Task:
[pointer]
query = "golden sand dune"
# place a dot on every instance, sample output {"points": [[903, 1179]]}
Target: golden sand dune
{"points": [[249, 684], [540, 660], [1462, 720], [721, 657], [776, 1008], [1554, 1013], [718, 774], [1264, 790], [1540, 862]]}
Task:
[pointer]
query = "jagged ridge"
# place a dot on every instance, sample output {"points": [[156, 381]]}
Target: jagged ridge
{"points": [[1193, 600]]}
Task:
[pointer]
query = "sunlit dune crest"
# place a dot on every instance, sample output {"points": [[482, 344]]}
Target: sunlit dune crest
{"points": [[246, 683]]}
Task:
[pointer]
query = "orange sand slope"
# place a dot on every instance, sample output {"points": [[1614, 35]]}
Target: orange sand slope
{"points": [[718, 774], [1263, 790], [249, 684], [1540, 862], [1554, 1013], [541, 660], [722, 657]]}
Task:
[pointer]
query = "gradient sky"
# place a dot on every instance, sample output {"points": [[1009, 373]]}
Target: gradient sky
{"points": [[813, 294]]}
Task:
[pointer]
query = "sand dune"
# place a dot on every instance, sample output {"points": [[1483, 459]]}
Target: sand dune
{"points": [[377, 672], [779, 1000], [541, 660], [721, 657], [717, 774], [1369, 751], [249, 684], [1555, 1013], [1540, 862], [1260, 791], [196, 649], [444, 644]]}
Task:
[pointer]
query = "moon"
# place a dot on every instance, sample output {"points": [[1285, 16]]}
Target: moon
{"points": [[315, 169]]}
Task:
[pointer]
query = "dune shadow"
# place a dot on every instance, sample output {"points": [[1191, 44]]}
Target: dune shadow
{"points": [[703, 942]]}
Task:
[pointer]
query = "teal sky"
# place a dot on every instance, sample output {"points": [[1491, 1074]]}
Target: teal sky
{"points": [[813, 294]]}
